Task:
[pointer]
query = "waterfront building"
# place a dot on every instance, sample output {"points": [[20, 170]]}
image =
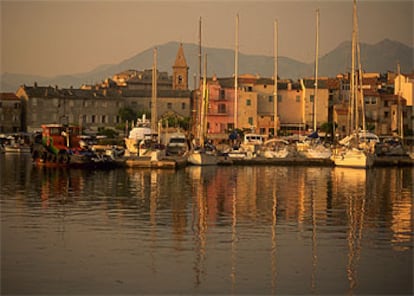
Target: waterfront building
{"points": [[381, 103], [10, 113], [404, 84], [98, 106], [315, 112], [256, 106]]}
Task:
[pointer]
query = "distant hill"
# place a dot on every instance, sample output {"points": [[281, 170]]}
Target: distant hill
{"points": [[380, 57]]}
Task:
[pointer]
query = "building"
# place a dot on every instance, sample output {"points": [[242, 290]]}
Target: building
{"points": [[10, 113], [256, 106], [98, 106], [386, 110]]}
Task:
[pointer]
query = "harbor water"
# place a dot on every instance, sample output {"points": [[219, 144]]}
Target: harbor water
{"points": [[259, 230]]}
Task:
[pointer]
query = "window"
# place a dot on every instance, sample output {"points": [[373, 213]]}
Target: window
{"points": [[279, 98], [270, 99], [183, 106], [250, 120], [93, 119], [222, 108], [169, 105], [103, 119], [180, 79], [248, 102], [386, 114], [312, 98], [222, 94], [297, 98]]}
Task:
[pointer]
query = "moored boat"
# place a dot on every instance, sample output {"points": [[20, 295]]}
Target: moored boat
{"points": [[60, 145]]}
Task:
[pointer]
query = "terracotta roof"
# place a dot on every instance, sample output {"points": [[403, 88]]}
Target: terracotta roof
{"points": [[8, 97]]}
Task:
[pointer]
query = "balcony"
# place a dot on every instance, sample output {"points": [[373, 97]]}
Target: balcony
{"points": [[216, 113]]}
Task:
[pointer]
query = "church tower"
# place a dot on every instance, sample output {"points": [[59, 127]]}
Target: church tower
{"points": [[180, 71]]}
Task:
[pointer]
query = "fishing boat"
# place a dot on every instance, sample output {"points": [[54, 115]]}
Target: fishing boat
{"points": [[140, 131], [177, 144], [61, 145], [144, 147], [353, 155], [15, 143]]}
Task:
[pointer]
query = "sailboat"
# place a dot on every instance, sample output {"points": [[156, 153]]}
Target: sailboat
{"points": [[201, 154], [312, 147], [353, 155]]}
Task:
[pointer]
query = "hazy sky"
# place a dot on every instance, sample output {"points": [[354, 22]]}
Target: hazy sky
{"points": [[64, 37]]}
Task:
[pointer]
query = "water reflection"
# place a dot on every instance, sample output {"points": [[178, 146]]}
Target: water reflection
{"points": [[208, 230]]}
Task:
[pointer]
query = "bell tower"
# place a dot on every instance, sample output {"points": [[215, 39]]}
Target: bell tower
{"points": [[180, 71]]}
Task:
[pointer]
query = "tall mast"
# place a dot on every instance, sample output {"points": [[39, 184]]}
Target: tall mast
{"points": [[154, 93], [315, 98], [352, 86], [203, 115], [275, 58], [199, 54], [198, 97], [400, 122], [361, 90], [236, 70]]}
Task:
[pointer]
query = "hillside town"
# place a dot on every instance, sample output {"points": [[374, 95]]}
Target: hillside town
{"points": [[96, 107]]}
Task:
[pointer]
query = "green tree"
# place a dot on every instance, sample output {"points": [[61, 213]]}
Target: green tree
{"points": [[127, 114]]}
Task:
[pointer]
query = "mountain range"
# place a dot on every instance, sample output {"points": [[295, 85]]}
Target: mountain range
{"points": [[380, 57]]}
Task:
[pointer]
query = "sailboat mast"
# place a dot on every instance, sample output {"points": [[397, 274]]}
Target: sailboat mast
{"points": [[236, 70], [360, 80], [203, 115], [199, 54], [399, 107], [275, 90], [315, 98], [352, 85], [205, 99], [154, 93], [198, 97]]}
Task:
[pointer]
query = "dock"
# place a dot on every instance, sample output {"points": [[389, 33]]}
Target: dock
{"points": [[302, 161], [147, 162]]}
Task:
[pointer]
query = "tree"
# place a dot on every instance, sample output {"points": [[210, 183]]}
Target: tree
{"points": [[127, 114]]}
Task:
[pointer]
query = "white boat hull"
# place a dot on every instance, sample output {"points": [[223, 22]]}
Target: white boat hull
{"points": [[318, 153], [21, 149], [353, 158], [276, 154], [197, 158]]}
